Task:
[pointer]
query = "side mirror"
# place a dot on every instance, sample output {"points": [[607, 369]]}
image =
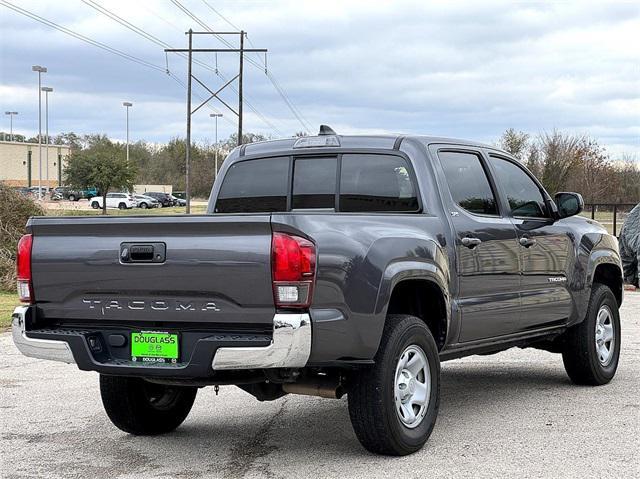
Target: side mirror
{"points": [[569, 204]]}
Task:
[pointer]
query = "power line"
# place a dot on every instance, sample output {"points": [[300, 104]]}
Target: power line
{"points": [[152, 38], [157, 41], [81, 37], [97, 44], [221, 16], [269, 75]]}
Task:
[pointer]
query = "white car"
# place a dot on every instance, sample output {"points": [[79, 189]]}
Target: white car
{"points": [[121, 201], [144, 202]]}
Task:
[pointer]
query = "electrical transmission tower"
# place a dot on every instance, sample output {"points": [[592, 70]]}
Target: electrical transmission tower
{"points": [[213, 94]]}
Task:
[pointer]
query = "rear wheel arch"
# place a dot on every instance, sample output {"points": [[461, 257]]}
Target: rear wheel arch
{"points": [[425, 299], [610, 275]]}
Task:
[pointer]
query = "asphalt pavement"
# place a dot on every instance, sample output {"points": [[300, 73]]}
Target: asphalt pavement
{"points": [[514, 414]]}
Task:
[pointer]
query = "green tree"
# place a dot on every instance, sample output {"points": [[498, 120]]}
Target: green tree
{"points": [[102, 165], [70, 139]]}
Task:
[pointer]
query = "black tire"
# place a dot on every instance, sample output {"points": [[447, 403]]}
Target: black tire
{"points": [[372, 401], [580, 355], [95, 205], [72, 198], [122, 206], [143, 408], [143, 205]]}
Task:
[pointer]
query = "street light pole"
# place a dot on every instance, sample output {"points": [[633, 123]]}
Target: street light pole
{"points": [[46, 91], [10, 113], [127, 104], [216, 116], [40, 70]]}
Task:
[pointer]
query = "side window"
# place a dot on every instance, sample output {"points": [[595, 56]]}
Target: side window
{"points": [[376, 183], [468, 182], [255, 186], [314, 183], [524, 196]]}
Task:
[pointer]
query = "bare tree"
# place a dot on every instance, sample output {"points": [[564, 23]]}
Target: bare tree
{"points": [[516, 143], [561, 156]]}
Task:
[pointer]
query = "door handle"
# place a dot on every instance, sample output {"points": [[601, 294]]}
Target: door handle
{"points": [[527, 242], [471, 242], [143, 252]]}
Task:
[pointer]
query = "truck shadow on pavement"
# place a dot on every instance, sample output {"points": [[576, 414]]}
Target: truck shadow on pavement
{"points": [[469, 393]]}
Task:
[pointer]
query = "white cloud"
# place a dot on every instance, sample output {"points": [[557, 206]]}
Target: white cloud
{"points": [[469, 69]]}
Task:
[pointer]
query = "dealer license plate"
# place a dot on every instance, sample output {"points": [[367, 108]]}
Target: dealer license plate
{"points": [[154, 346]]}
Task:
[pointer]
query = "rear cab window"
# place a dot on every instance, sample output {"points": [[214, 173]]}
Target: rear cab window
{"points": [[349, 182]]}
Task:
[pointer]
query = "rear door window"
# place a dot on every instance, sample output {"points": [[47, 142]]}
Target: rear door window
{"points": [[468, 182], [255, 186], [376, 183], [314, 183]]}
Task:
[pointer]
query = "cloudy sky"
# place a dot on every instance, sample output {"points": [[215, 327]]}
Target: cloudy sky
{"points": [[457, 69]]}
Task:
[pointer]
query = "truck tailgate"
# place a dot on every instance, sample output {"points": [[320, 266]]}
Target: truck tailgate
{"points": [[215, 270]]}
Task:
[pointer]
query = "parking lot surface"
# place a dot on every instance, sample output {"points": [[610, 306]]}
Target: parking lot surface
{"points": [[514, 414]]}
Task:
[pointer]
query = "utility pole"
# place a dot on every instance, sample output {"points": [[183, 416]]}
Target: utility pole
{"points": [[240, 88], [216, 116], [40, 70], [46, 91], [187, 193], [213, 94], [10, 113], [127, 104]]}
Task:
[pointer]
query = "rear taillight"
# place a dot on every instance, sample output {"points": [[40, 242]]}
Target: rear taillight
{"points": [[293, 269], [23, 266]]}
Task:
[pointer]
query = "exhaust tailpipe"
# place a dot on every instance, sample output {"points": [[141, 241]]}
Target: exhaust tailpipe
{"points": [[322, 387]]}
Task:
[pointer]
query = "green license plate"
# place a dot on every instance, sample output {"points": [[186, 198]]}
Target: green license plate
{"points": [[154, 346]]}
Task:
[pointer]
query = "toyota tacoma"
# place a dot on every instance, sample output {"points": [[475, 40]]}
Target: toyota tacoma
{"points": [[325, 265]]}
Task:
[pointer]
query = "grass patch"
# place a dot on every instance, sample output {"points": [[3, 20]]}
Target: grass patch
{"points": [[8, 302]]}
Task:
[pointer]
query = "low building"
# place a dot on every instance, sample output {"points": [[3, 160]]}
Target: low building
{"points": [[20, 163]]}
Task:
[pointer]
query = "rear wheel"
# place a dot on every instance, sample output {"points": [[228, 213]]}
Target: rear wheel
{"points": [[592, 347], [143, 408], [122, 206], [95, 205], [393, 405], [72, 197]]}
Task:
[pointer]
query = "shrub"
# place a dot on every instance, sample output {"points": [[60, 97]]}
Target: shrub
{"points": [[15, 210]]}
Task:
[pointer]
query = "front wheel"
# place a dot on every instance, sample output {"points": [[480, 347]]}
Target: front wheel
{"points": [[144, 206], [143, 408], [95, 205], [72, 197], [394, 404], [592, 348]]}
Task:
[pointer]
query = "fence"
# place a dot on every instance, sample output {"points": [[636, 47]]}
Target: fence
{"points": [[610, 215]]}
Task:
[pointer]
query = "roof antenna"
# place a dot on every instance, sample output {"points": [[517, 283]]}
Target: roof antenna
{"points": [[326, 130]]}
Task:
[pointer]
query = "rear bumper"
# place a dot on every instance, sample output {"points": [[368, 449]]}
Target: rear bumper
{"points": [[289, 347], [37, 348]]}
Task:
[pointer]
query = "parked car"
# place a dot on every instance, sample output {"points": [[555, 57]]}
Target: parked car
{"points": [[89, 193], [178, 201], [143, 201], [326, 265], [121, 201], [163, 198], [68, 193], [24, 191], [33, 191]]}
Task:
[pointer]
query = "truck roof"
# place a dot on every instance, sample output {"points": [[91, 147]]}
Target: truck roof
{"points": [[350, 141]]}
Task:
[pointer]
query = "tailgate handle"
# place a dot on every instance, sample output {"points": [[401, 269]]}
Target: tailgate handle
{"points": [[142, 252]]}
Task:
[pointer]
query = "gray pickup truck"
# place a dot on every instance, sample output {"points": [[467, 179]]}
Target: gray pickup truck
{"points": [[325, 265]]}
